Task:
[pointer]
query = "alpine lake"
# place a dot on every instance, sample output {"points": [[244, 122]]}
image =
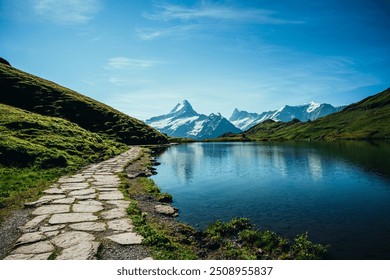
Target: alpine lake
{"points": [[338, 192]]}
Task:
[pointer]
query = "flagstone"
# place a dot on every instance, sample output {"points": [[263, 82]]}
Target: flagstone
{"points": [[86, 208], [85, 250], [128, 238], [35, 248], [71, 238], [72, 218], [113, 214], [89, 226], [51, 209]]}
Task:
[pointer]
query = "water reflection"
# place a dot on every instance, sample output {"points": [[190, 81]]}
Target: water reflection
{"points": [[272, 184]]}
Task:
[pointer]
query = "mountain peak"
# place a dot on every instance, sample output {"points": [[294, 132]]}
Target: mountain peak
{"points": [[182, 106]]}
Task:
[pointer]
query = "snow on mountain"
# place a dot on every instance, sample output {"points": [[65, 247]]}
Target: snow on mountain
{"points": [[311, 111], [184, 121]]}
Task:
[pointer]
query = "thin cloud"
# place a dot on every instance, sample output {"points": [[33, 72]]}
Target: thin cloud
{"points": [[150, 33], [217, 12], [66, 12], [125, 62]]}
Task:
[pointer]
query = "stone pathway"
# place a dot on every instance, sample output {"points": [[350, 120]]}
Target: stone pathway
{"points": [[77, 213]]}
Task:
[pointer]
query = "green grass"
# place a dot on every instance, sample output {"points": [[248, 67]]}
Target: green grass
{"points": [[36, 150], [238, 239], [151, 188], [163, 246], [26, 91]]}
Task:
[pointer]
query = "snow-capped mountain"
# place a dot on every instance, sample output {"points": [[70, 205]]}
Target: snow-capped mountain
{"points": [[311, 111], [183, 121]]}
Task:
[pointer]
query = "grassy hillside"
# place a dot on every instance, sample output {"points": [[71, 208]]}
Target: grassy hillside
{"points": [[23, 90], [367, 119], [35, 150]]}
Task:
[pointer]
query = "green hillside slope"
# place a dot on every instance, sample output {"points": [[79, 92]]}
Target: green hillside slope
{"points": [[367, 119], [29, 139], [23, 90]]}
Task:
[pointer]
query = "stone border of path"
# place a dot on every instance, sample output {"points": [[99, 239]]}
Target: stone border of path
{"points": [[76, 213]]}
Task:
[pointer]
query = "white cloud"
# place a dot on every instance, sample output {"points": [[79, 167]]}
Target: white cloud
{"points": [[125, 62], [206, 10], [150, 33], [66, 11]]}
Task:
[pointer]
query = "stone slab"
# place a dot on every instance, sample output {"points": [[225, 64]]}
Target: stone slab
{"points": [[71, 238], [33, 224], [51, 209], [53, 191], [51, 228], [72, 218], [91, 202], [128, 238], [31, 237], [35, 248], [82, 192], [119, 203], [114, 195], [68, 200], [89, 226], [120, 225], [53, 197], [86, 208], [43, 256], [113, 214], [85, 197], [86, 250]]}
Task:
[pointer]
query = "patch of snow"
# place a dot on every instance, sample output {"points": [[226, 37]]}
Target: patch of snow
{"points": [[197, 128], [313, 106]]}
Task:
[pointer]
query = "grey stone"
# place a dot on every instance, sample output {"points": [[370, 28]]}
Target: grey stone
{"points": [[82, 192], [37, 203], [86, 208], [89, 226], [74, 186], [111, 195], [128, 238], [70, 180], [68, 200], [35, 248], [71, 238], [33, 224], [30, 238], [113, 214], [53, 191], [85, 197], [165, 210], [120, 225], [43, 256], [51, 228], [53, 197], [51, 209], [72, 218], [123, 204], [91, 202], [83, 251]]}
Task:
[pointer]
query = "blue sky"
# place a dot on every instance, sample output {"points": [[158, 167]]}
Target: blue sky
{"points": [[142, 57]]}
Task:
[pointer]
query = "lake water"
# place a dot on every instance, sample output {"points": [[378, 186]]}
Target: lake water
{"points": [[338, 192]]}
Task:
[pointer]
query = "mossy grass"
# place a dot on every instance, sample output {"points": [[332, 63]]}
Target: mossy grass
{"points": [[238, 239]]}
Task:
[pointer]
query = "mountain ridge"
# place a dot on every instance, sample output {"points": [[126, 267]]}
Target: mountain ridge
{"points": [[245, 120], [183, 121], [368, 119]]}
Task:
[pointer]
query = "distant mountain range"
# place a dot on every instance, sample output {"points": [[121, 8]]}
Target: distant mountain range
{"points": [[312, 111], [184, 121], [366, 119]]}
